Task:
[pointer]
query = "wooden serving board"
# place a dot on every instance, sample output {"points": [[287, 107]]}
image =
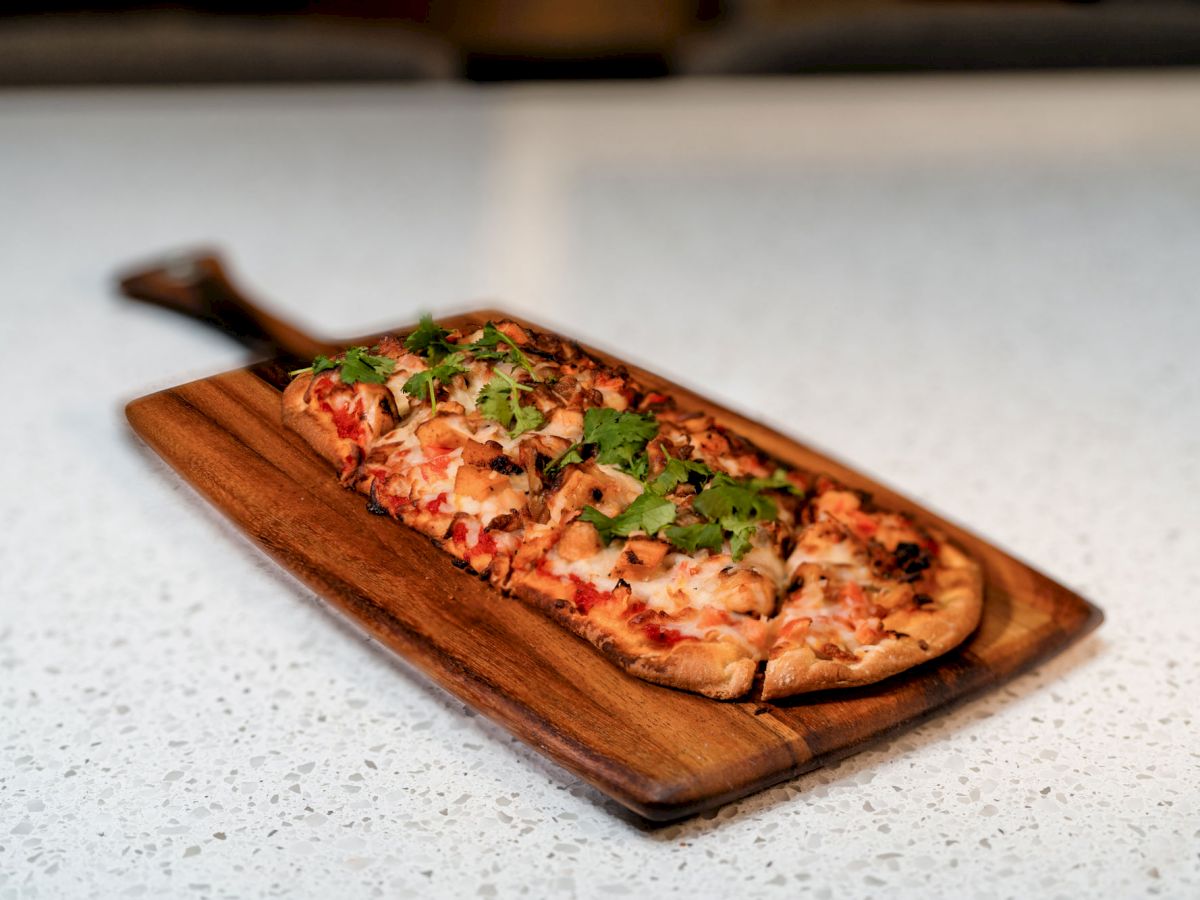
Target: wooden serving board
{"points": [[660, 752]]}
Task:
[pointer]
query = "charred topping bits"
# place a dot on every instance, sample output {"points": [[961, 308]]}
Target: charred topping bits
{"points": [[506, 466], [911, 560]]}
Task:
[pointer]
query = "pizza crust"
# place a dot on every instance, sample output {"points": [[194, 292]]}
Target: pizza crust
{"points": [[305, 417], [925, 635], [318, 430]]}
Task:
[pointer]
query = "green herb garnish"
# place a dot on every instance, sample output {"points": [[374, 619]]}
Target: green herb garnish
{"points": [[649, 513], [319, 364], [356, 364], [429, 340], [568, 456], [777, 482], [677, 471], [499, 401], [425, 383], [359, 365], [488, 347], [737, 507], [690, 538], [620, 438]]}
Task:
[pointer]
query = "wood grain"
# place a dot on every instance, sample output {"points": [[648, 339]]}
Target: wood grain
{"points": [[662, 753]]}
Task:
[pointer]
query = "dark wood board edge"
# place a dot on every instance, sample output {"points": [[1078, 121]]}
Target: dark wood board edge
{"points": [[660, 802]]}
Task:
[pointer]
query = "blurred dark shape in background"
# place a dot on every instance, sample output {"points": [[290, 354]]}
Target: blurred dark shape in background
{"points": [[496, 40]]}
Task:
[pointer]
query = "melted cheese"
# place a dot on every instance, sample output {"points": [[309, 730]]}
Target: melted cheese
{"points": [[685, 582]]}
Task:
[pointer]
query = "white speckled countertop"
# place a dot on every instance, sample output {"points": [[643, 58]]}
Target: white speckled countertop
{"points": [[179, 718]]}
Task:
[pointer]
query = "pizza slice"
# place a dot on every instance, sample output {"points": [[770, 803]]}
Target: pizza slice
{"points": [[341, 407], [690, 620], [869, 594]]}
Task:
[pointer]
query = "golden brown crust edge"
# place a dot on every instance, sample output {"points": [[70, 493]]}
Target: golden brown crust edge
{"points": [[926, 636], [722, 671], [318, 431]]}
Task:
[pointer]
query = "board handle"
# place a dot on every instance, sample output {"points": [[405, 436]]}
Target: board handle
{"points": [[197, 285]]}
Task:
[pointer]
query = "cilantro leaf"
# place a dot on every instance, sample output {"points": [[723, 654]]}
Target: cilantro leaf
{"points": [[488, 347], [677, 471], [620, 438], [525, 418], [425, 383], [499, 401], [706, 535], [738, 508], [777, 482], [322, 364], [740, 537], [726, 498], [649, 513], [568, 456], [604, 524], [359, 365], [356, 364], [429, 340], [492, 401], [319, 364]]}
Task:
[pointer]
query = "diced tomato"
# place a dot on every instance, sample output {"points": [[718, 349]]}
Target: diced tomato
{"points": [[439, 460], [348, 422], [864, 524], [347, 417], [485, 544], [586, 595], [322, 386], [668, 637], [435, 505]]}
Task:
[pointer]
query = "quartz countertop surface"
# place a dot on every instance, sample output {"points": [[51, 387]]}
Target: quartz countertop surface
{"points": [[981, 290]]}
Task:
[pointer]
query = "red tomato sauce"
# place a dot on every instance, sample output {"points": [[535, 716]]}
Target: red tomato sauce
{"points": [[668, 637], [485, 545], [349, 425], [587, 596]]}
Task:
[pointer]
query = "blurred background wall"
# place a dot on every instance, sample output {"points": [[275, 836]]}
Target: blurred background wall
{"points": [[490, 40]]}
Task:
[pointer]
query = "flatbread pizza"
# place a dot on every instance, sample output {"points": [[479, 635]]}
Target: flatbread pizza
{"points": [[684, 553]]}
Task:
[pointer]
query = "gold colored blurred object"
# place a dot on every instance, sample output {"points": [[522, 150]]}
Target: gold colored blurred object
{"points": [[553, 28]]}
